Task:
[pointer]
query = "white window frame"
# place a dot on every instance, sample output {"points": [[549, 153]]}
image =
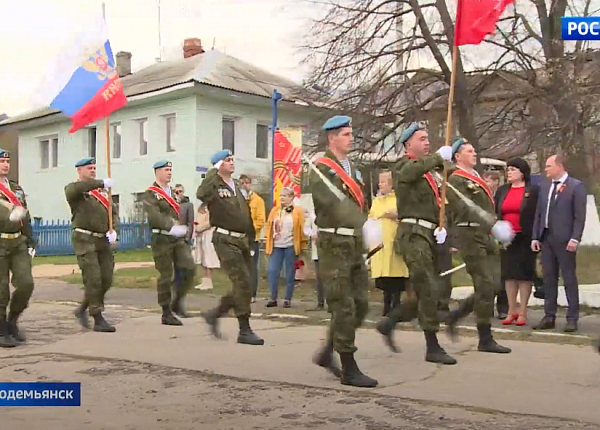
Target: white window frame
{"points": [[266, 157], [141, 143], [233, 121], [52, 160], [113, 133], [92, 153], [170, 133]]}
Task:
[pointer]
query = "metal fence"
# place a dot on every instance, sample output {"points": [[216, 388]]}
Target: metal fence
{"points": [[54, 237]]}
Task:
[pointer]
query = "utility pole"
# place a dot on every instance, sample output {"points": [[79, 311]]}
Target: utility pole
{"points": [[400, 39], [159, 35]]}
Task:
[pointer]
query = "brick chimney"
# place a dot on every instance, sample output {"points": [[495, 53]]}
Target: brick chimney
{"points": [[191, 47], [123, 63]]}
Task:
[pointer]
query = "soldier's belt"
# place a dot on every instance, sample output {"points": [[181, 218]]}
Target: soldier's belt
{"points": [[343, 231], [230, 233], [90, 233], [159, 231], [468, 224], [9, 235], [421, 222]]}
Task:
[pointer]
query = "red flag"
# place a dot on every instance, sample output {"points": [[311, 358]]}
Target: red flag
{"points": [[475, 19]]}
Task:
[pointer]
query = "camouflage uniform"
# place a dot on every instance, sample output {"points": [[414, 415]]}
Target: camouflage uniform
{"points": [[234, 232], [342, 269], [480, 252], [16, 238], [94, 254], [168, 252]]}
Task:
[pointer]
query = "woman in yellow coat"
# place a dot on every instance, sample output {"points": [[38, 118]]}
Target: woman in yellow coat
{"points": [[388, 268]]}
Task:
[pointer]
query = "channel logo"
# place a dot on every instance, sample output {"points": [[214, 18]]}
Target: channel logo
{"points": [[578, 28]]}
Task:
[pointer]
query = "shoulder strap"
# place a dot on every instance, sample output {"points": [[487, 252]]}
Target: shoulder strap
{"points": [[350, 183], [167, 197], [477, 180]]}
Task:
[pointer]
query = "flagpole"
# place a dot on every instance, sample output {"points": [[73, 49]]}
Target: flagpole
{"points": [[455, 54], [107, 148]]}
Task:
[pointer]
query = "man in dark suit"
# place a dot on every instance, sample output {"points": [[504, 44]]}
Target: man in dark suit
{"points": [[557, 231]]}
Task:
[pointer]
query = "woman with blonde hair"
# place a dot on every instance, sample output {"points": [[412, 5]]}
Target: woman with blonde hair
{"points": [[204, 251], [285, 240]]}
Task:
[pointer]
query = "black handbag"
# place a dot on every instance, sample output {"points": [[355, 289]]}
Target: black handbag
{"points": [[538, 285]]}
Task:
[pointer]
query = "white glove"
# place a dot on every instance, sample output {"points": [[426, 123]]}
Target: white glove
{"points": [[178, 230], [445, 152], [372, 233], [108, 182], [111, 236], [31, 252], [440, 234], [17, 214], [503, 231]]}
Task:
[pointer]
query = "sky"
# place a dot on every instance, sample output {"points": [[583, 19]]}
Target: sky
{"points": [[266, 33]]}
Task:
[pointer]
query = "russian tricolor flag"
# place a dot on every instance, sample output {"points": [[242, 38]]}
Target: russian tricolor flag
{"points": [[84, 84]]}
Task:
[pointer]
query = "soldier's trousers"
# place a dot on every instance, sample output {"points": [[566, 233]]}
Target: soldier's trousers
{"points": [[417, 246], [96, 261], [236, 261], [344, 274], [15, 258], [170, 253]]}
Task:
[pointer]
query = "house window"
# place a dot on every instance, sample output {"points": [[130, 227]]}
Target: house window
{"points": [[262, 141], [49, 152], [115, 203], [143, 130], [228, 127], [92, 139], [170, 125], [116, 136], [138, 207]]}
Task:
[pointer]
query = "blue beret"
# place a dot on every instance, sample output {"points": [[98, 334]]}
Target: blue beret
{"points": [[408, 132], [336, 122], [4, 154], [85, 162], [162, 163], [220, 156], [457, 144]]}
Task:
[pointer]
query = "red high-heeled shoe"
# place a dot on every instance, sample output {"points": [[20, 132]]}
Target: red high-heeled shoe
{"points": [[509, 319], [521, 321]]}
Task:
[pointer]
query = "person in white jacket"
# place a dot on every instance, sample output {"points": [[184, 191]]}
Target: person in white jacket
{"points": [[310, 230]]}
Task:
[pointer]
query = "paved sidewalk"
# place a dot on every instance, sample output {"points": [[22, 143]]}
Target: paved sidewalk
{"points": [[42, 271]]}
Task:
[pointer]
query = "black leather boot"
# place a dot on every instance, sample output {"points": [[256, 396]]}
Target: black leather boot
{"points": [[13, 329], [487, 342], [81, 313], [101, 325], [246, 335], [386, 328], [351, 374], [451, 321], [596, 345], [168, 318], [6, 340], [324, 358], [178, 308], [212, 319], [435, 353]]}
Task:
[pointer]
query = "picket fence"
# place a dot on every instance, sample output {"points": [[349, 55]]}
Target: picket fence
{"points": [[54, 237]]}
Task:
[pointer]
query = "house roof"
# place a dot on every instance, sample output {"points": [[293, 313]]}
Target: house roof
{"points": [[212, 68]]}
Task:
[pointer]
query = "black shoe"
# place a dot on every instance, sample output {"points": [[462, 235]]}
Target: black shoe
{"points": [[271, 304], [6, 340], [451, 321], [435, 353], [571, 326], [502, 315], [246, 335], [596, 345], [487, 342], [169, 319], [101, 325], [316, 308], [546, 323], [386, 327], [13, 329], [287, 304], [81, 313], [351, 374], [212, 319], [324, 358], [178, 309]]}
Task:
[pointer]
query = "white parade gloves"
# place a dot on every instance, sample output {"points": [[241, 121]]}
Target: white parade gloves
{"points": [[445, 152], [31, 252], [111, 236], [503, 231], [178, 230], [108, 182], [17, 213], [372, 233], [440, 234]]}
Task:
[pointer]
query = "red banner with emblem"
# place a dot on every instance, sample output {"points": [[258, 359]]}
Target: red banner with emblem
{"points": [[287, 162]]}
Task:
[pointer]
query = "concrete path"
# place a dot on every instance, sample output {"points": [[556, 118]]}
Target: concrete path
{"points": [[560, 381], [41, 271]]}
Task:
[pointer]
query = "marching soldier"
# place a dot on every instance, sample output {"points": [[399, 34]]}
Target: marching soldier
{"points": [[92, 240], [341, 263], [16, 251], [478, 248], [169, 249], [234, 232]]}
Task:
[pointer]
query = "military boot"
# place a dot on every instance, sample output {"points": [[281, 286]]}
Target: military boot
{"points": [[487, 342], [13, 329], [81, 313], [168, 318], [246, 335], [451, 321], [386, 328], [178, 308], [351, 374], [596, 345], [435, 353], [6, 340], [101, 325], [212, 319], [324, 358]]}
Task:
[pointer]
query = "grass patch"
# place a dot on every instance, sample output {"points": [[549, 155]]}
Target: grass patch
{"points": [[120, 257]]}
